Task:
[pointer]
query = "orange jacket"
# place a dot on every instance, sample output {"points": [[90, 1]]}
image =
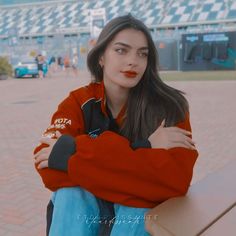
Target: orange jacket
{"points": [[104, 162]]}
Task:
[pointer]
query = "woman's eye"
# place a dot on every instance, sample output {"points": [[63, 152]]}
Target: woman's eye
{"points": [[120, 50], [143, 54]]}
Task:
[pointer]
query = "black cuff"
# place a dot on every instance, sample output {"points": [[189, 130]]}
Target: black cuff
{"points": [[61, 152], [141, 144]]}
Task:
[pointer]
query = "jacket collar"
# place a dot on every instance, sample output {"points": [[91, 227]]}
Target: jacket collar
{"points": [[102, 95]]}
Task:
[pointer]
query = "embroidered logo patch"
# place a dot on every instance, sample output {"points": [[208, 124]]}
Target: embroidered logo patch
{"points": [[94, 133]]}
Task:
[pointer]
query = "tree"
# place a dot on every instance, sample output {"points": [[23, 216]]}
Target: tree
{"points": [[5, 68]]}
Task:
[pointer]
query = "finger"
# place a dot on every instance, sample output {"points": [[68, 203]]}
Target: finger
{"points": [[48, 141], [42, 151], [58, 134], [43, 164], [179, 130], [182, 144], [180, 137], [189, 144], [190, 140], [41, 158]]}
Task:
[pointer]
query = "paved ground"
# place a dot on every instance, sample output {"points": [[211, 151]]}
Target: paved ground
{"points": [[25, 109]]}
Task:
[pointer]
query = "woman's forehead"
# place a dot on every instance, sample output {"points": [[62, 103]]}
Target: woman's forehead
{"points": [[132, 37]]}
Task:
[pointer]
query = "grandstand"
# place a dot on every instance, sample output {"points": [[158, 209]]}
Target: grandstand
{"points": [[44, 26]]}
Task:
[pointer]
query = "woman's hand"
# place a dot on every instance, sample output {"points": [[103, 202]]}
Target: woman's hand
{"points": [[41, 157], [171, 137]]}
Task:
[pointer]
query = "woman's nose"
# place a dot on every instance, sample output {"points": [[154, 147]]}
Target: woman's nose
{"points": [[132, 60]]}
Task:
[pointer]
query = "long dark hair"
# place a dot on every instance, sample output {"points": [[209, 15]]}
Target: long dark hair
{"points": [[151, 100]]}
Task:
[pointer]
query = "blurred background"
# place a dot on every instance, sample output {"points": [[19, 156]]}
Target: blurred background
{"points": [[189, 34]]}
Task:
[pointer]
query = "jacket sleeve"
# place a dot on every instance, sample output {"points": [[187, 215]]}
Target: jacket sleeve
{"points": [[68, 119], [109, 168]]}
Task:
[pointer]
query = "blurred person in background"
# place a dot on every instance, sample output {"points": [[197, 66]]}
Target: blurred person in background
{"points": [[52, 63], [67, 64], [40, 62], [75, 61]]}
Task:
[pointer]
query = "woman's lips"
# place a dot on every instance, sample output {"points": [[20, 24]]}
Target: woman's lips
{"points": [[129, 73]]}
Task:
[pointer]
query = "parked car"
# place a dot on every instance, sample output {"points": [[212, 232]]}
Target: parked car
{"points": [[26, 68]]}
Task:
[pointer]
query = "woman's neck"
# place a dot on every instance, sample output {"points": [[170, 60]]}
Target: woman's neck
{"points": [[116, 98]]}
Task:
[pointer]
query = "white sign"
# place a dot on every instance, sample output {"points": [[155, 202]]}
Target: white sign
{"points": [[97, 21]]}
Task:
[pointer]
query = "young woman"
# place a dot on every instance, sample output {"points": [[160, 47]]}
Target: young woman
{"points": [[120, 145]]}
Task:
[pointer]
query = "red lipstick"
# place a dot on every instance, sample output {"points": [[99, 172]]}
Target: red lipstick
{"points": [[129, 73]]}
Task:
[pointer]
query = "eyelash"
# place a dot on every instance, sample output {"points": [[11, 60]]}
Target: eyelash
{"points": [[122, 51]]}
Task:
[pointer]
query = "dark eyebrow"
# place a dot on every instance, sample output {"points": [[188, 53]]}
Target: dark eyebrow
{"points": [[128, 46]]}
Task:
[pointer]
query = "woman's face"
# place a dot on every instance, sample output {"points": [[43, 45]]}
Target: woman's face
{"points": [[125, 59]]}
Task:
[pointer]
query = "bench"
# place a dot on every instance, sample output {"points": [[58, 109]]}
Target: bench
{"points": [[208, 209]]}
